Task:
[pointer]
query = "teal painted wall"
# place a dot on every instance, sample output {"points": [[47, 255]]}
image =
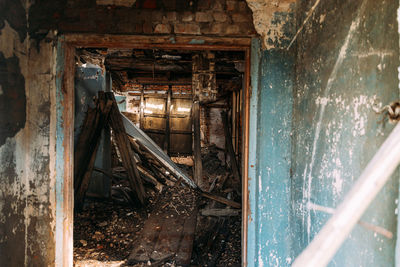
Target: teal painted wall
{"points": [[88, 82], [270, 157], [339, 79], [313, 130]]}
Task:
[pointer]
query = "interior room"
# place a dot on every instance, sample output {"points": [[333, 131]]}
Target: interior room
{"points": [[199, 133], [157, 91]]}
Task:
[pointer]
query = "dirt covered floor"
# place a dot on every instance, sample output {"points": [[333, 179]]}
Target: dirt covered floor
{"points": [[105, 232]]}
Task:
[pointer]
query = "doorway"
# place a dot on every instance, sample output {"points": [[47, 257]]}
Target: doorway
{"points": [[148, 103]]}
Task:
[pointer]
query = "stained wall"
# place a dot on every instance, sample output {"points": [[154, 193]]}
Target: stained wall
{"points": [[313, 129], [33, 132], [27, 174], [346, 67]]}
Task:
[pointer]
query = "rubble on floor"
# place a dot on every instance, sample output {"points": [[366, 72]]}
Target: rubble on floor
{"points": [[218, 238], [105, 231], [169, 231], [167, 220]]}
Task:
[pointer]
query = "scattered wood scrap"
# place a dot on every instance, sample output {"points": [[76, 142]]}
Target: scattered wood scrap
{"points": [[229, 146], [124, 147], [220, 212], [105, 112], [85, 152], [221, 199], [168, 233]]}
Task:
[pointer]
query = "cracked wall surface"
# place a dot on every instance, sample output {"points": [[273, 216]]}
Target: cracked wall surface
{"points": [[273, 21], [26, 180], [315, 130], [31, 174], [345, 65]]}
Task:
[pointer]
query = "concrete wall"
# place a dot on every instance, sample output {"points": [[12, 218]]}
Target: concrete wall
{"points": [[32, 122], [316, 130], [27, 173], [312, 125], [269, 233], [345, 66]]}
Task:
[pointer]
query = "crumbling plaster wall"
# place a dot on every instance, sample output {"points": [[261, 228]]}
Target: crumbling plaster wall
{"points": [[346, 66], [273, 19], [27, 183], [313, 108], [31, 133]]}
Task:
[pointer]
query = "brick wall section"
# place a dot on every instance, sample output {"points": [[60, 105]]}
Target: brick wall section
{"points": [[202, 17]]}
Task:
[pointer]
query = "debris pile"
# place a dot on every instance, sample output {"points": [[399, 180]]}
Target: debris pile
{"points": [[218, 232], [155, 211], [105, 231]]}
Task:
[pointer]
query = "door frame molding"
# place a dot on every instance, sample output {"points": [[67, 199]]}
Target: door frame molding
{"points": [[68, 43]]}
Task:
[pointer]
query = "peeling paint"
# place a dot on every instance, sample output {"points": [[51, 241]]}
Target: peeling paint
{"points": [[26, 190], [12, 84], [341, 78], [269, 152], [271, 21]]}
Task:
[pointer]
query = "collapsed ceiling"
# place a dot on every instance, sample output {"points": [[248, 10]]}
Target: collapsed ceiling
{"points": [[136, 65]]}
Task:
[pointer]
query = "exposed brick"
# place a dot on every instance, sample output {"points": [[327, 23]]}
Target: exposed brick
{"points": [[169, 4], [150, 4], [187, 28], [218, 28], [157, 16], [218, 5], [242, 7], [122, 27], [170, 16], [187, 16], [203, 17], [231, 5], [246, 28], [162, 28], [204, 4], [220, 16], [126, 3], [239, 17], [147, 28], [143, 14], [232, 29]]}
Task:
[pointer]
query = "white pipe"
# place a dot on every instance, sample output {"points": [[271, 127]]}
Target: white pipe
{"points": [[325, 244]]}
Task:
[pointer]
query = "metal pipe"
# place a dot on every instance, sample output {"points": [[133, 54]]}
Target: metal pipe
{"points": [[325, 244]]}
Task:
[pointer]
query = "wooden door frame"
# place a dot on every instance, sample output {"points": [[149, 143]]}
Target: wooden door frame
{"points": [[70, 42]]}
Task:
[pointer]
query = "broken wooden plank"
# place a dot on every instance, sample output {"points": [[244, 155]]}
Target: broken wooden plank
{"points": [[81, 191], [198, 168], [124, 147], [150, 178], [164, 235], [184, 253], [169, 239], [85, 147], [167, 139], [85, 167], [146, 240], [229, 146], [220, 212], [221, 200]]}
